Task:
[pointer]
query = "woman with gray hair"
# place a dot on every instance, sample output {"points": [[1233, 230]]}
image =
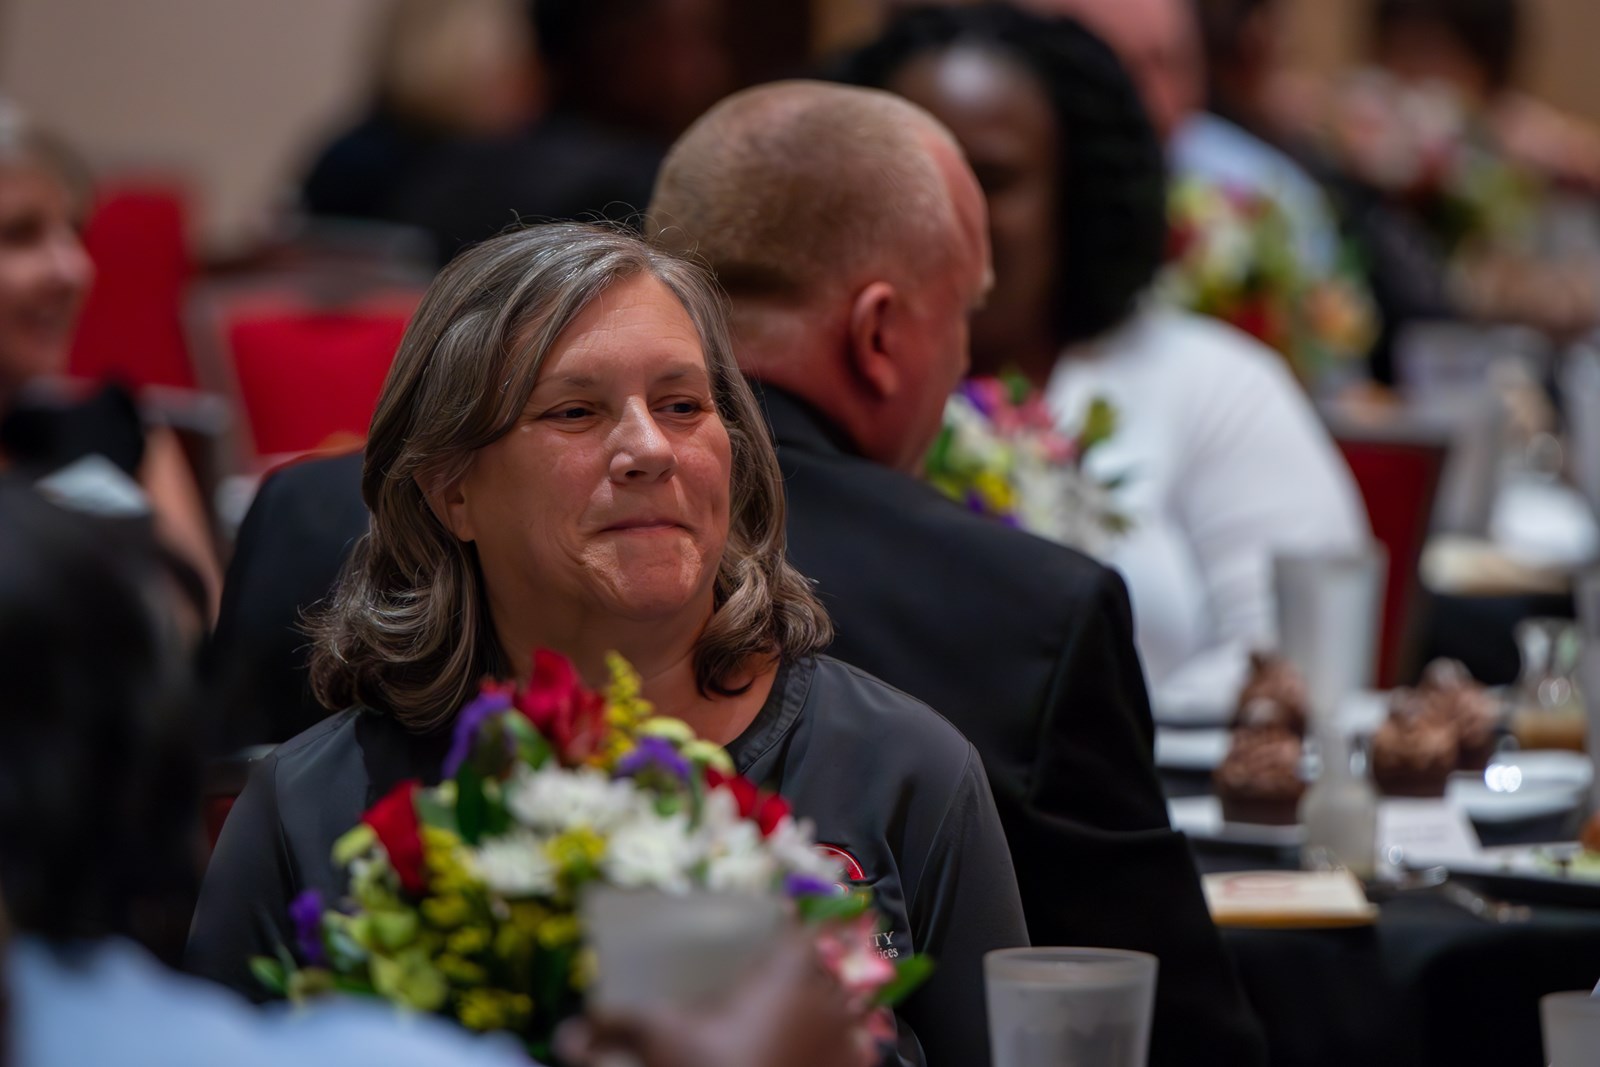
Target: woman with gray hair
{"points": [[565, 456]]}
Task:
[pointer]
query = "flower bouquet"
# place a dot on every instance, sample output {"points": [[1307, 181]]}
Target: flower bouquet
{"points": [[1421, 145], [1231, 255], [1000, 453], [464, 898]]}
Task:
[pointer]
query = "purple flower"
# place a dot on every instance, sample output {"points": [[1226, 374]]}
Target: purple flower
{"points": [[806, 885], [492, 701], [977, 396], [654, 753], [305, 911]]}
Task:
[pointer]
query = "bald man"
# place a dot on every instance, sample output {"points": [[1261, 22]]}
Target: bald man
{"points": [[851, 238]]}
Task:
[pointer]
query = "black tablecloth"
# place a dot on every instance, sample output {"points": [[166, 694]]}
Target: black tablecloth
{"points": [[1429, 985]]}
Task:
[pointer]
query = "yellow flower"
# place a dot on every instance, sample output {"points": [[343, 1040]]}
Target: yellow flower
{"points": [[354, 843], [392, 929], [410, 979], [559, 931], [584, 967], [461, 971], [446, 911], [511, 943], [468, 941], [625, 708], [997, 493], [526, 916], [711, 755], [577, 851], [667, 728], [449, 868], [493, 1009]]}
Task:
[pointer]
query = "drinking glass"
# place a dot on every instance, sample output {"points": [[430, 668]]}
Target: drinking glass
{"points": [[1069, 1007], [653, 947], [1328, 621], [1570, 1023], [1549, 708]]}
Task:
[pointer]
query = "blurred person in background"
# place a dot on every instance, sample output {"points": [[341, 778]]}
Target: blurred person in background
{"points": [[100, 843], [1475, 47], [1223, 461], [444, 70], [623, 77], [1160, 45], [101, 444]]}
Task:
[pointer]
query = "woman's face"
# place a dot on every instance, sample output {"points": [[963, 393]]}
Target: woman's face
{"points": [[44, 272], [609, 499], [1005, 123]]}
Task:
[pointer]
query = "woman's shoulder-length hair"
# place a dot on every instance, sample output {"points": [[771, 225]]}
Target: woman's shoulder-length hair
{"points": [[407, 630]]}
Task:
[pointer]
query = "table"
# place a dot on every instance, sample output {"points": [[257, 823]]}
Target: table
{"points": [[1429, 985]]}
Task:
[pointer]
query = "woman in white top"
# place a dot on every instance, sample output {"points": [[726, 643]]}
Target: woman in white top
{"points": [[1223, 461]]}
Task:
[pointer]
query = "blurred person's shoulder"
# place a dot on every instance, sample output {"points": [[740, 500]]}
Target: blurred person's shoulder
{"points": [[111, 1003]]}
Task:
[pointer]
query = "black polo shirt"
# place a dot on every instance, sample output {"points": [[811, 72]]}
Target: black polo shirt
{"points": [[887, 782]]}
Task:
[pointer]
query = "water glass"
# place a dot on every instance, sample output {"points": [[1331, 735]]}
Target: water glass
{"points": [[1328, 621], [1570, 1023], [1069, 1007], [653, 947]]}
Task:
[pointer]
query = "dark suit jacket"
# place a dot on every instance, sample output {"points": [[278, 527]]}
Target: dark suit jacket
{"points": [[290, 547], [1027, 647]]}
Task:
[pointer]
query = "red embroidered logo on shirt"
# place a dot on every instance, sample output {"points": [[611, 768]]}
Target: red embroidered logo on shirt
{"points": [[852, 866]]}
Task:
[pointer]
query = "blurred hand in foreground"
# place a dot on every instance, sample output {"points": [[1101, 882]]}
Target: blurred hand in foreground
{"points": [[789, 1013]]}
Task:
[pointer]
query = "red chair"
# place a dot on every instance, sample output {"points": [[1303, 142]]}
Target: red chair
{"points": [[304, 363], [132, 322], [1397, 468], [222, 780]]}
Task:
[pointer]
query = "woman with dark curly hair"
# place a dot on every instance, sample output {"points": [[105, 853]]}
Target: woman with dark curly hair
{"points": [[1224, 462]]}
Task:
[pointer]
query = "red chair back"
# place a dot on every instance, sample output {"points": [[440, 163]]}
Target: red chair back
{"points": [[1398, 475], [132, 322], [305, 371]]}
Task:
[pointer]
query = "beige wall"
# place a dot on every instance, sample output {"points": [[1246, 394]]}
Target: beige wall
{"points": [[1558, 56], [229, 91], [236, 91]]}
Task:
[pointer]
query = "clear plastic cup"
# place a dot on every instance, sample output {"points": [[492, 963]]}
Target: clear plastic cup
{"points": [[653, 948], [1570, 1023], [1069, 1007]]}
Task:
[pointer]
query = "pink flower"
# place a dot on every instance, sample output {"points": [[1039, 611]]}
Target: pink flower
{"points": [[849, 953]]}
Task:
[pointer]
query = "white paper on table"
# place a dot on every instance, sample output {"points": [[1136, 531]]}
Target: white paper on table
{"points": [[1428, 832]]}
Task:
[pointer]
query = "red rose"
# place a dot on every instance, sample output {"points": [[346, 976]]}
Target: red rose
{"points": [[569, 716], [767, 809], [743, 789], [772, 810], [394, 820]]}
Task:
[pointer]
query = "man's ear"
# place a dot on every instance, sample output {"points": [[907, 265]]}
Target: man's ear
{"points": [[449, 505], [872, 341]]}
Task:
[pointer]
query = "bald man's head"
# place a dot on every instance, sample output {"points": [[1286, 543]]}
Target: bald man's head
{"points": [[852, 239], [796, 190]]}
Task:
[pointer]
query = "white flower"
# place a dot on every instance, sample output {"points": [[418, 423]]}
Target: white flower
{"points": [[555, 799], [516, 865], [719, 813], [651, 853], [974, 438], [793, 844], [737, 862]]}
